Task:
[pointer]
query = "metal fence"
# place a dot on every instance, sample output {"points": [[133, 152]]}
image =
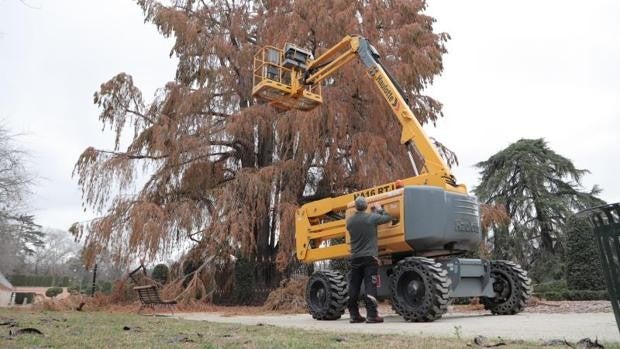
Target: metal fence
{"points": [[266, 271], [606, 221]]}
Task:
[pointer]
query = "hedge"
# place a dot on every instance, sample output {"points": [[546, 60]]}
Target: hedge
{"points": [[553, 286], [583, 265], [575, 295], [39, 280]]}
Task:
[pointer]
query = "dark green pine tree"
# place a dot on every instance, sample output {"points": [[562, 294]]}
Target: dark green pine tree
{"points": [[540, 190]]}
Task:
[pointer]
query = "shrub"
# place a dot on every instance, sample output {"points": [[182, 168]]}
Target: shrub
{"points": [[548, 268], [74, 290], [160, 273], [53, 291], [244, 281], [123, 293], [100, 287], [583, 265], [289, 297], [104, 287]]}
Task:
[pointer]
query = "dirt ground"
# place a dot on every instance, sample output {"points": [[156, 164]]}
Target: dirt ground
{"points": [[540, 322]]}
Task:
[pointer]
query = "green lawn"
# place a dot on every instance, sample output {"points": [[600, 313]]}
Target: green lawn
{"points": [[105, 330]]}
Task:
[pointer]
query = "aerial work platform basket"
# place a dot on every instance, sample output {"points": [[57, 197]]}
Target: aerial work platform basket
{"points": [[277, 78]]}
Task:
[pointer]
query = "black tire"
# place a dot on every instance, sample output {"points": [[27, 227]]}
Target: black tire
{"points": [[419, 288], [326, 295], [512, 286]]}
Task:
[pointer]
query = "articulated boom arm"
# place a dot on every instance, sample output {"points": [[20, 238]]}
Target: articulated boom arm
{"points": [[412, 135], [290, 78]]}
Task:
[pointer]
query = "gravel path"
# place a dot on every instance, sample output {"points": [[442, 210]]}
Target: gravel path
{"points": [[526, 326]]}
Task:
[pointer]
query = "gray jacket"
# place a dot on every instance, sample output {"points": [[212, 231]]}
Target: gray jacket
{"points": [[362, 228]]}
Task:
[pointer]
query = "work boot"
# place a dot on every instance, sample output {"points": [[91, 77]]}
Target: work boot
{"points": [[357, 319], [374, 319]]}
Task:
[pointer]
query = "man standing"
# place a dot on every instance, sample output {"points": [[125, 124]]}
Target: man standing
{"points": [[362, 229]]}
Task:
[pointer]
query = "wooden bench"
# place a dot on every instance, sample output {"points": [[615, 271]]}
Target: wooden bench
{"points": [[149, 298]]}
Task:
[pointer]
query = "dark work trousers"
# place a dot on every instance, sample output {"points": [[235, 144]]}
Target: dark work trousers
{"points": [[363, 269]]}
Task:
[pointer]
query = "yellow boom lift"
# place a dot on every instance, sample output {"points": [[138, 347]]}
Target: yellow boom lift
{"points": [[435, 220]]}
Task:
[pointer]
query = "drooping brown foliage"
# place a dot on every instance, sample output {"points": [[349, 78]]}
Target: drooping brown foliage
{"points": [[492, 215], [227, 172], [289, 297]]}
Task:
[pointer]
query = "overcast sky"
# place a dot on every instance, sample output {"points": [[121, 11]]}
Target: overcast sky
{"points": [[515, 69]]}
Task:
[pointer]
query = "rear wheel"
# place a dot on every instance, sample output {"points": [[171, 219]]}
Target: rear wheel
{"points": [[326, 295], [419, 289], [512, 288]]}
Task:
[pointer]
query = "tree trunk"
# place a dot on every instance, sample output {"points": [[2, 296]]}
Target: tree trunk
{"points": [[546, 229], [500, 243]]}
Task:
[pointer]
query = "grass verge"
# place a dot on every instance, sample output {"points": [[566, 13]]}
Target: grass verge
{"points": [[123, 330]]}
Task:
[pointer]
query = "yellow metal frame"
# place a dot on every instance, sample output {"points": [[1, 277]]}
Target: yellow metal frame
{"points": [[315, 230], [283, 90], [318, 234]]}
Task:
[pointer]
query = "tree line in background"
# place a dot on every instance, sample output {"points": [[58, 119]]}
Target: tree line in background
{"points": [[58, 262]]}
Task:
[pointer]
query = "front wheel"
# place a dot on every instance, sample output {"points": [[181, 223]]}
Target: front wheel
{"points": [[512, 289], [326, 295], [420, 289]]}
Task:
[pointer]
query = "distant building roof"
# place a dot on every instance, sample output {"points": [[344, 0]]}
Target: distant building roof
{"points": [[4, 283]]}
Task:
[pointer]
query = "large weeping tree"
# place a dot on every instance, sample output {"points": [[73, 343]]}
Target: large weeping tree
{"points": [[539, 190], [223, 173]]}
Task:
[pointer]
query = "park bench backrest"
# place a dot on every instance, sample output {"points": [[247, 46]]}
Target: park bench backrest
{"points": [[148, 294], [138, 275]]}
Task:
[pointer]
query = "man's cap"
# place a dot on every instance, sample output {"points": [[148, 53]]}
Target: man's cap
{"points": [[360, 203]]}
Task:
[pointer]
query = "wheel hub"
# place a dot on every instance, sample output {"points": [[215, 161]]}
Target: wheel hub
{"points": [[411, 288], [318, 294], [501, 286], [511, 287]]}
